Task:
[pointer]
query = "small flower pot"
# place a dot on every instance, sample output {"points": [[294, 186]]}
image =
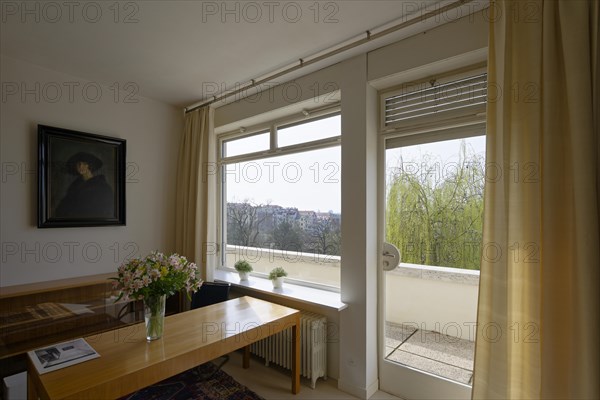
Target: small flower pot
{"points": [[277, 282], [243, 275]]}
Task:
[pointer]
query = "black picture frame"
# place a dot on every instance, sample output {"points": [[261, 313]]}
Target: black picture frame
{"points": [[81, 179]]}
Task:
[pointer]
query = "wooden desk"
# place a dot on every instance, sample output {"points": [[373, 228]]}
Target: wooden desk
{"points": [[33, 315], [128, 362]]}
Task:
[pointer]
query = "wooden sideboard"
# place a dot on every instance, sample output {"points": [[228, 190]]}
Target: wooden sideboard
{"points": [[38, 314]]}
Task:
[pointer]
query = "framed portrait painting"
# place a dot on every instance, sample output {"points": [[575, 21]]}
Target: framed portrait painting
{"points": [[81, 179]]}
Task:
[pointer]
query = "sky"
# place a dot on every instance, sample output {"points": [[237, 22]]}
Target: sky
{"points": [[307, 181], [445, 152]]}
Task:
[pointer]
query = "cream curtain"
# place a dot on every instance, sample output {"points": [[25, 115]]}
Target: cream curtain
{"points": [[195, 176], [538, 310]]}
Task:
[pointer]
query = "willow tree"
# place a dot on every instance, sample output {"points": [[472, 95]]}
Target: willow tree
{"points": [[434, 210]]}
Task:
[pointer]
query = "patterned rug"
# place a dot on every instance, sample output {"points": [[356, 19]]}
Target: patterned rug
{"points": [[187, 386]]}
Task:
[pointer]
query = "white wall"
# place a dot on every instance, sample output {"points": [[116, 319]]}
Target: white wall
{"points": [[152, 130], [317, 268], [446, 47], [415, 295]]}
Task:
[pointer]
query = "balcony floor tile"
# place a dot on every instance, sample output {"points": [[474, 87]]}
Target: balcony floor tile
{"points": [[436, 346], [432, 366], [433, 352], [396, 334], [389, 350]]}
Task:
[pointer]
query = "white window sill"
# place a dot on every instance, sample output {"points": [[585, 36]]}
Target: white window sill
{"points": [[299, 293]]}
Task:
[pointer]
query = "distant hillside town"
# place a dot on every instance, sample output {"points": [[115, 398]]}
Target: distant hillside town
{"points": [[283, 228]]}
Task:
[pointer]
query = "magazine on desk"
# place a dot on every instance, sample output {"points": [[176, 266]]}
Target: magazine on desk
{"points": [[61, 355]]}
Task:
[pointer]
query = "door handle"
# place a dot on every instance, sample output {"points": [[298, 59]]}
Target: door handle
{"points": [[390, 257]]}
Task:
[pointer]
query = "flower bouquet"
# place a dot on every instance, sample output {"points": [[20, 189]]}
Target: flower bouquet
{"points": [[152, 279]]}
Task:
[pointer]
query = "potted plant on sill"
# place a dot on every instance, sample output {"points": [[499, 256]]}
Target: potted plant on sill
{"points": [[276, 276], [243, 268]]}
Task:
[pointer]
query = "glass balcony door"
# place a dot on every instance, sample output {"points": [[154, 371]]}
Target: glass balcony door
{"points": [[432, 190]]}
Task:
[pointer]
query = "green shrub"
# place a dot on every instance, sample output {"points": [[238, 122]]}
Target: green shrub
{"points": [[243, 266], [277, 272]]}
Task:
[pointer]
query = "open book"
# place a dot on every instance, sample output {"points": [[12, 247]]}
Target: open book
{"points": [[62, 355]]}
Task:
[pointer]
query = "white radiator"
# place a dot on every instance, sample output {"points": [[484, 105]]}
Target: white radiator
{"points": [[277, 348]]}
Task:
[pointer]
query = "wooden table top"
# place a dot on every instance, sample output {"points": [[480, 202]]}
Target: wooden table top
{"points": [[128, 362], [28, 289]]}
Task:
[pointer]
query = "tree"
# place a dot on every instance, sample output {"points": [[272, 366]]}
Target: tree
{"points": [[324, 237], [286, 236], [257, 225], [243, 224], [434, 212]]}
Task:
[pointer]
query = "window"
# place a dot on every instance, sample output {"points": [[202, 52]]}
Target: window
{"points": [[308, 131], [245, 145], [435, 170], [281, 198]]}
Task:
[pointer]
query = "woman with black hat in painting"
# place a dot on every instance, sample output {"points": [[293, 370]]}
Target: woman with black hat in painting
{"points": [[89, 196]]}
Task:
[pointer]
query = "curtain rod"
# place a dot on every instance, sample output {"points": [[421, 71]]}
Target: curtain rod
{"points": [[303, 63]]}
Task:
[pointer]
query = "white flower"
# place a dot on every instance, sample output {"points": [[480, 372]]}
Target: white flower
{"points": [[154, 273], [175, 262]]}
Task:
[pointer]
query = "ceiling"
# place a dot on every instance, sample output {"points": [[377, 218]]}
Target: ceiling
{"points": [[180, 52]]}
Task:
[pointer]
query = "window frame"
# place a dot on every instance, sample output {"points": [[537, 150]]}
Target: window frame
{"points": [[306, 116], [272, 126]]}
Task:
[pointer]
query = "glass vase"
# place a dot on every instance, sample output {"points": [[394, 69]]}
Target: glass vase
{"points": [[154, 316]]}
